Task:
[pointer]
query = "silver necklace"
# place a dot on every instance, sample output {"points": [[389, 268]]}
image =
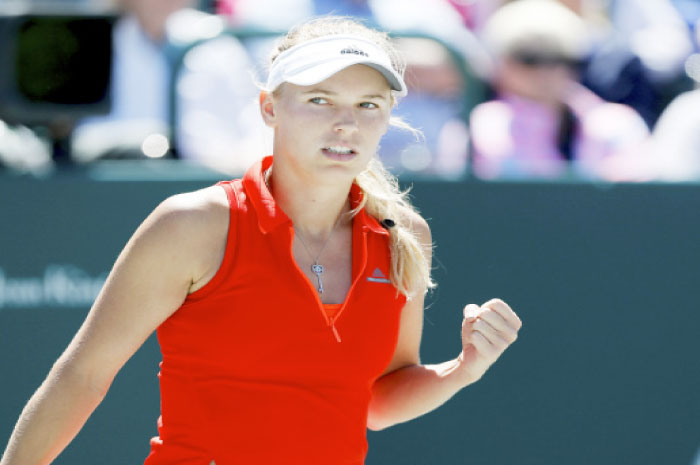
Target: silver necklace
{"points": [[316, 267]]}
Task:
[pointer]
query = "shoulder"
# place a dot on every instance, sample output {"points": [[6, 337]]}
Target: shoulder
{"points": [[200, 204], [414, 220], [188, 230], [192, 212], [417, 225]]}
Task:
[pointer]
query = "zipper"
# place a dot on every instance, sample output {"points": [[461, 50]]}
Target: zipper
{"points": [[360, 272], [335, 331], [330, 322]]}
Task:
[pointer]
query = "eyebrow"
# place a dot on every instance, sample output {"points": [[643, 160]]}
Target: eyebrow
{"points": [[329, 92]]}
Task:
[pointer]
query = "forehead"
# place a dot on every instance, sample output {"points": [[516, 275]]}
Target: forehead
{"points": [[356, 79]]}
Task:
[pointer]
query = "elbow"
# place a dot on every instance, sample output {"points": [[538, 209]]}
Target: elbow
{"points": [[90, 382], [378, 422], [376, 426], [373, 427]]}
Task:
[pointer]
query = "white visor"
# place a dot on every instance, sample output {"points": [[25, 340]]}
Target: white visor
{"points": [[313, 61]]}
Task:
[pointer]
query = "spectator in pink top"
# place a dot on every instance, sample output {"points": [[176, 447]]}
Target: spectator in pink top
{"points": [[542, 122]]}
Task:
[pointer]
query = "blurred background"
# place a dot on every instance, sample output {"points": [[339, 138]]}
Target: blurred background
{"points": [[559, 168]]}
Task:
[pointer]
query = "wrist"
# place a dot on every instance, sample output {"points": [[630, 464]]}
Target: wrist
{"points": [[465, 371]]}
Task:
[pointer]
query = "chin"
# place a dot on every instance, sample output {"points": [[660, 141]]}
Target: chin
{"points": [[341, 171]]}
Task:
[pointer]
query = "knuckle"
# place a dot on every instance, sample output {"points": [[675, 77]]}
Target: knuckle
{"points": [[495, 352], [496, 302], [478, 337], [501, 345]]}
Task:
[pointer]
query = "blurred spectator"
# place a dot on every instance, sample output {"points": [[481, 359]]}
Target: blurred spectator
{"points": [[638, 52], [657, 34], [22, 151], [436, 103], [689, 11], [638, 48], [437, 18], [543, 123], [474, 13], [216, 118], [676, 137]]}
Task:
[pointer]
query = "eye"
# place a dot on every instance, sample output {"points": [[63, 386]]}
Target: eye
{"points": [[318, 100], [369, 105]]}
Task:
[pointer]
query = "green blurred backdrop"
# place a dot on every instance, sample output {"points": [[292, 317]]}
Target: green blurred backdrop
{"points": [[605, 277]]}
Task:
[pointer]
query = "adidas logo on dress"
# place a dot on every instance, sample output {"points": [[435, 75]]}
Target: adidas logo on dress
{"points": [[378, 277]]}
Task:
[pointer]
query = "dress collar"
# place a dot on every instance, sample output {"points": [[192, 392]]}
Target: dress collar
{"points": [[270, 215]]}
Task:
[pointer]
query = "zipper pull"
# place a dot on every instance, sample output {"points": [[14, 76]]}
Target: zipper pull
{"points": [[335, 331]]}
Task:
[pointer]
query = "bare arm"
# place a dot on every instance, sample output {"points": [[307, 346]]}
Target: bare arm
{"points": [[169, 255], [409, 389]]}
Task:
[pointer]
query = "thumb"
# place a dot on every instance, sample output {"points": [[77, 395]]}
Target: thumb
{"points": [[471, 311]]}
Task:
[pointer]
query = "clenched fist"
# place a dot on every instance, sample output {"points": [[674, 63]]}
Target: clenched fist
{"points": [[487, 331]]}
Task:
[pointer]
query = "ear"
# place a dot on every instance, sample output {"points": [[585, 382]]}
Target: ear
{"points": [[267, 108]]}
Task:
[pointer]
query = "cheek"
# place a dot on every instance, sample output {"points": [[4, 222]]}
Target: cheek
{"points": [[294, 111], [376, 124], [296, 119]]}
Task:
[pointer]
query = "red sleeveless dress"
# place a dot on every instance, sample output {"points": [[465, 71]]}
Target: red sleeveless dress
{"points": [[254, 370]]}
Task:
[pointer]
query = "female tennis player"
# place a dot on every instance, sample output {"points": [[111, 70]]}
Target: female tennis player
{"points": [[288, 303]]}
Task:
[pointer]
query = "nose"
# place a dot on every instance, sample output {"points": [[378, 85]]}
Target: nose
{"points": [[345, 120]]}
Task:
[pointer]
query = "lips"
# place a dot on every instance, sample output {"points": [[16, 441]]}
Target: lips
{"points": [[339, 152], [339, 149]]}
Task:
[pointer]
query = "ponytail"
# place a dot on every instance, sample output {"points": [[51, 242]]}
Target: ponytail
{"points": [[383, 199]]}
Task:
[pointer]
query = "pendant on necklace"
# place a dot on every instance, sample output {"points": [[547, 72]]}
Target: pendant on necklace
{"points": [[317, 269]]}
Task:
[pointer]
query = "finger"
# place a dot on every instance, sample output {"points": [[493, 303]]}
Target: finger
{"points": [[500, 325], [482, 345], [493, 318], [504, 310], [494, 338]]}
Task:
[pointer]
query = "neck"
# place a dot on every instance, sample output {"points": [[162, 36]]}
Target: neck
{"points": [[314, 209]]}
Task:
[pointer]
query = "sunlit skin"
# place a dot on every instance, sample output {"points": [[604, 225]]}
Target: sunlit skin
{"points": [[324, 137], [349, 109]]}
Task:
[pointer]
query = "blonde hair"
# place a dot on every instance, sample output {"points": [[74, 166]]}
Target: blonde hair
{"points": [[382, 198]]}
